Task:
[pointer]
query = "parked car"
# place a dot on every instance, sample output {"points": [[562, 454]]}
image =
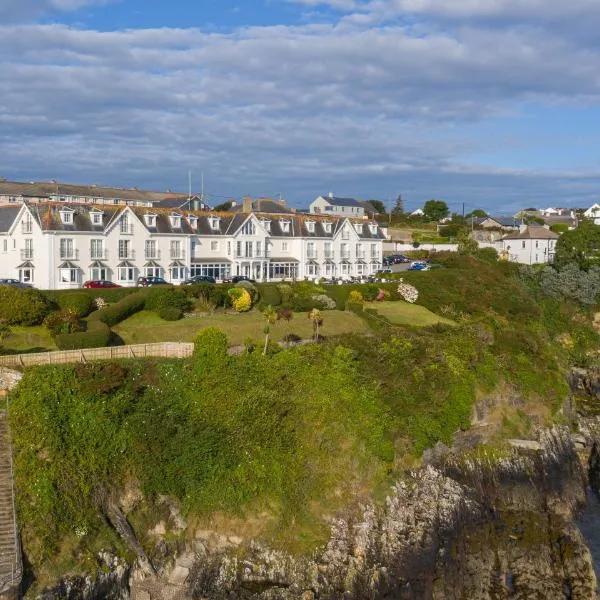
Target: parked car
{"points": [[100, 283], [238, 278], [150, 281], [15, 283], [199, 279], [419, 266], [395, 259]]}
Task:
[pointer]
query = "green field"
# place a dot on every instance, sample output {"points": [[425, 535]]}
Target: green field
{"points": [[147, 327], [403, 313]]}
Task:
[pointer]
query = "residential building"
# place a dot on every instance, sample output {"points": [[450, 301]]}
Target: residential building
{"points": [[59, 246], [335, 206], [530, 245], [593, 212]]}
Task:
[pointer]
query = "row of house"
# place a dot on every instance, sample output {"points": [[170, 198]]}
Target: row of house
{"points": [[60, 245]]}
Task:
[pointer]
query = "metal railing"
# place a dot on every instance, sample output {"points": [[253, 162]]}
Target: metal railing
{"points": [[99, 255], [127, 254], [176, 254], [69, 254], [152, 255], [27, 254]]}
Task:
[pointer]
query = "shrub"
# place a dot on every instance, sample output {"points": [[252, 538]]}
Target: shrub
{"points": [[240, 299], [408, 292], [81, 303], [292, 338], [269, 295], [488, 254], [121, 310], [98, 335], [199, 290], [304, 304], [63, 321], [250, 288], [369, 291], [355, 297], [286, 291], [100, 303], [324, 301], [20, 306], [210, 344], [166, 297], [170, 313], [571, 283], [559, 228]]}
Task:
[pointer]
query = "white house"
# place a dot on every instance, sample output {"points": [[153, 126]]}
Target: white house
{"points": [[530, 245], [335, 206], [417, 213], [59, 246], [593, 212]]}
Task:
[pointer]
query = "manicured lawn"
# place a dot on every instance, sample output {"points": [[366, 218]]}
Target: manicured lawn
{"points": [[27, 339], [403, 313], [146, 327]]}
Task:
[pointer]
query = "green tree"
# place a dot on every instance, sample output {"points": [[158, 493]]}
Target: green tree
{"points": [[478, 213], [580, 246], [467, 245], [378, 205], [223, 207], [435, 210], [398, 206]]}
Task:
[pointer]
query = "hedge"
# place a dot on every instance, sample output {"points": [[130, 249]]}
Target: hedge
{"points": [[109, 294], [121, 310], [170, 313], [269, 295], [98, 335], [81, 303], [166, 297], [20, 306]]}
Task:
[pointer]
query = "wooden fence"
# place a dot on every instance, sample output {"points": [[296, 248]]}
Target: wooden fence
{"points": [[161, 349]]}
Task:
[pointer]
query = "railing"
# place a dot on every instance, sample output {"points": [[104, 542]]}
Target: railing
{"points": [[345, 255], [27, 254], [329, 255], [176, 254], [312, 255], [99, 254], [152, 255], [69, 254], [127, 254], [159, 349], [361, 255]]}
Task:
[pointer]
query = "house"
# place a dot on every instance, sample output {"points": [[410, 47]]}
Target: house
{"points": [[59, 246], [15, 192], [333, 205], [530, 245], [504, 223], [417, 213], [593, 212], [264, 205]]}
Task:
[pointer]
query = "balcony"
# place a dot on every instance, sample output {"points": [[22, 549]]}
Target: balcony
{"points": [[27, 254], [152, 254], [101, 254], [312, 255], [345, 255], [69, 254], [360, 256], [176, 254], [126, 254], [329, 255]]}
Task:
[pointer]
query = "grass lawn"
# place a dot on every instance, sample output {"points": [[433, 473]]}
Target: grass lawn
{"points": [[146, 327], [27, 339], [403, 313]]}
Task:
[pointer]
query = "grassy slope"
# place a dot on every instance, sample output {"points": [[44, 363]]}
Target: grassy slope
{"points": [[403, 313], [147, 327], [28, 339], [292, 437]]}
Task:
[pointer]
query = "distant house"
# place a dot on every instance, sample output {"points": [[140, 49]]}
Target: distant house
{"points": [[417, 213], [336, 206], [262, 205], [531, 245], [504, 223], [593, 212], [184, 202]]}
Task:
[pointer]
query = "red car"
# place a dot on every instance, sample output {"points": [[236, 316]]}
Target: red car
{"points": [[100, 283]]}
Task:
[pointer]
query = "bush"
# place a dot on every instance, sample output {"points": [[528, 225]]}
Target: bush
{"points": [[304, 304], [355, 297], [324, 301], [240, 299], [559, 228], [166, 297], [81, 303], [269, 295], [369, 291], [98, 335], [22, 306], [63, 321], [286, 291], [170, 313], [292, 338], [121, 310], [210, 344], [250, 288], [111, 295], [488, 254]]}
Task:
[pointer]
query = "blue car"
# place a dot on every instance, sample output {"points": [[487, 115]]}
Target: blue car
{"points": [[418, 266]]}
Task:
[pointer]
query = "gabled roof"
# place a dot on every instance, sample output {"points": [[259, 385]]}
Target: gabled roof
{"points": [[532, 232], [265, 205], [8, 214], [337, 201]]}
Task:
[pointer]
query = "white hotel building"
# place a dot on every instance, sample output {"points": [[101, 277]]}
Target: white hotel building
{"points": [[59, 246]]}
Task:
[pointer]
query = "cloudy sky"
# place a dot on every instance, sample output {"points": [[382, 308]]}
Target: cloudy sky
{"points": [[491, 103]]}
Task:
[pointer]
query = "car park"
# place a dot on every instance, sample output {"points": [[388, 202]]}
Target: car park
{"points": [[199, 279], [419, 266], [100, 283], [15, 283], [150, 281], [395, 259]]}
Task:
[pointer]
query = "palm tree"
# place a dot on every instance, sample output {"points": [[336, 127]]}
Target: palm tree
{"points": [[317, 320]]}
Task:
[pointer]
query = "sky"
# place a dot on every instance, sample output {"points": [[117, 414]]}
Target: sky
{"points": [[490, 104]]}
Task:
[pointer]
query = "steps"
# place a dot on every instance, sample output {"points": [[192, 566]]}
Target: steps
{"points": [[10, 551]]}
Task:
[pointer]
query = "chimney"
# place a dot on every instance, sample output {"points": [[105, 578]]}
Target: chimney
{"points": [[330, 194], [247, 204], [233, 203]]}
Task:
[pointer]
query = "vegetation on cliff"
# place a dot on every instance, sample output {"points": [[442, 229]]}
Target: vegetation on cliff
{"points": [[293, 435]]}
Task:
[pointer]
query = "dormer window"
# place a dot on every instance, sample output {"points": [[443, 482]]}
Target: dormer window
{"points": [[285, 226], [175, 221], [248, 228], [193, 221], [150, 219], [214, 223], [310, 226], [96, 218], [266, 223], [373, 229], [359, 228], [66, 216], [327, 226]]}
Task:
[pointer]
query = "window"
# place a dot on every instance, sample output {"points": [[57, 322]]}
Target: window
{"points": [[126, 274], [214, 246], [228, 248], [97, 250], [373, 229], [358, 227], [27, 253], [258, 249], [214, 223], [360, 253], [175, 249], [536, 244], [310, 226], [27, 224], [248, 228], [523, 244], [345, 234], [374, 251], [216, 270], [26, 274], [175, 221], [284, 246], [248, 250], [150, 220], [150, 250], [345, 251], [124, 225], [327, 227], [98, 273], [285, 226], [66, 217], [310, 250], [153, 272], [177, 272], [238, 248], [66, 248], [125, 249], [96, 218], [312, 269], [266, 224], [328, 250], [193, 222], [5, 245]]}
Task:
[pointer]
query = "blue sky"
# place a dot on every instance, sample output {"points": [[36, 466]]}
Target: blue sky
{"points": [[490, 103]]}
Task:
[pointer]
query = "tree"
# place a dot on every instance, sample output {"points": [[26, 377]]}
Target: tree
{"points": [[467, 245], [317, 320], [398, 206], [223, 207], [435, 210], [454, 228], [378, 206], [478, 213], [580, 246]]}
